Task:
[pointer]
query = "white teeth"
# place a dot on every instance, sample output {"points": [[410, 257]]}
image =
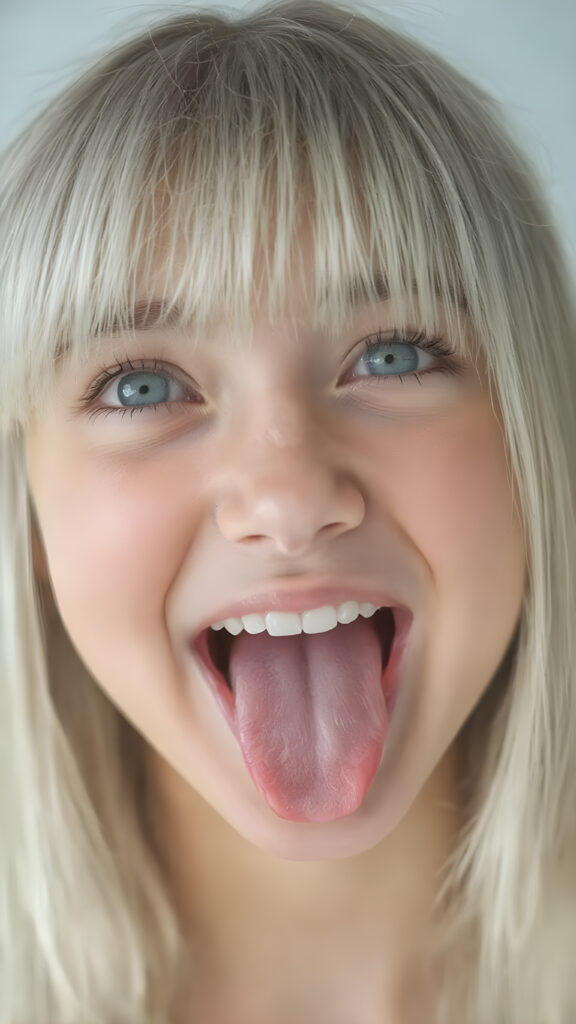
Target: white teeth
{"points": [[253, 623], [367, 609], [318, 620], [348, 612], [233, 626], [283, 623]]}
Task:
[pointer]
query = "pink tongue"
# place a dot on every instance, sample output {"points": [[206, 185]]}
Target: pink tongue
{"points": [[311, 717]]}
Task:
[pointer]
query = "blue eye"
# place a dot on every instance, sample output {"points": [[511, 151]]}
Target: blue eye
{"points": [[399, 355], [129, 388], [393, 358], [145, 389]]}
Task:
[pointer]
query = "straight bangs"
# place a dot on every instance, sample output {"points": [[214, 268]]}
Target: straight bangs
{"points": [[170, 185]]}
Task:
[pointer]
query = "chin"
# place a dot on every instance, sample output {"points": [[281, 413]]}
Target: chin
{"points": [[349, 836]]}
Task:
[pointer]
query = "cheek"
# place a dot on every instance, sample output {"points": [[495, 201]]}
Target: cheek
{"points": [[457, 505], [448, 490], [465, 515], [113, 539], [446, 484]]}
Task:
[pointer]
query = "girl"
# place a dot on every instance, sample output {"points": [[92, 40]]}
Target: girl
{"points": [[288, 540]]}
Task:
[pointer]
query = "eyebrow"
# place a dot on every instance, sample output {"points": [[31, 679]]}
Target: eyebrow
{"points": [[147, 314], [357, 295]]}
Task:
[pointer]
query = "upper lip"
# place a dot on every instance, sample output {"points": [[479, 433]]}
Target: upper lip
{"points": [[285, 597]]}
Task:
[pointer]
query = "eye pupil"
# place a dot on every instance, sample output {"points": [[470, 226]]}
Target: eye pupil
{"points": [[132, 387]]}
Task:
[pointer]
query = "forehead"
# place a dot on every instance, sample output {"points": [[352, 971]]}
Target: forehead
{"points": [[315, 260], [151, 311]]}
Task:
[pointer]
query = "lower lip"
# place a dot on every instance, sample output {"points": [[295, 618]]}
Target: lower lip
{"points": [[390, 674]]}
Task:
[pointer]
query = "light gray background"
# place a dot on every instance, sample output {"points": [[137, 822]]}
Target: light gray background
{"points": [[522, 51]]}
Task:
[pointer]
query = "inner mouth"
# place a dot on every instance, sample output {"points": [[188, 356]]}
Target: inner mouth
{"points": [[220, 641]]}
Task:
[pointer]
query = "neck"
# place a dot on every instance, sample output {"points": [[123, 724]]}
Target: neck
{"points": [[355, 932]]}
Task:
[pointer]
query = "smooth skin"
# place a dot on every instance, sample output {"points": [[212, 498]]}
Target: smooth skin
{"points": [[293, 466]]}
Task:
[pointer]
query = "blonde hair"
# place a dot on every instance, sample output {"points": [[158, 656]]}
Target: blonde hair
{"points": [[209, 134]]}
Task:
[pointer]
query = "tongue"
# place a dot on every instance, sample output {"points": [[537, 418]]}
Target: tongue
{"points": [[311, 718]]}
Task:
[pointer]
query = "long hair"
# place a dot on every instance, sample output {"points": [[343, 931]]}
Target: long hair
{"points": [[213, 133]]}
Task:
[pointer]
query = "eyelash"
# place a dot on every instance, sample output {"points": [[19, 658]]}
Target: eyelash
{"points": [[107, 374], [435, 345]]}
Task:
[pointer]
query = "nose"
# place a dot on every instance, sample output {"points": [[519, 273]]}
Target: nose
{"points": [[287, 491]]}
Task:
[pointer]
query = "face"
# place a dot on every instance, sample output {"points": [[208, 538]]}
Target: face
{"points": [[286, 470]]}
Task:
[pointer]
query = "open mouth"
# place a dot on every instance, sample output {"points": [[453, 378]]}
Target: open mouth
{"points": [[217, 644], [310, 712]]}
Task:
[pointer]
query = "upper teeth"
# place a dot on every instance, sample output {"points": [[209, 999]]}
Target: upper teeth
{"points": [[318, 620]]}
